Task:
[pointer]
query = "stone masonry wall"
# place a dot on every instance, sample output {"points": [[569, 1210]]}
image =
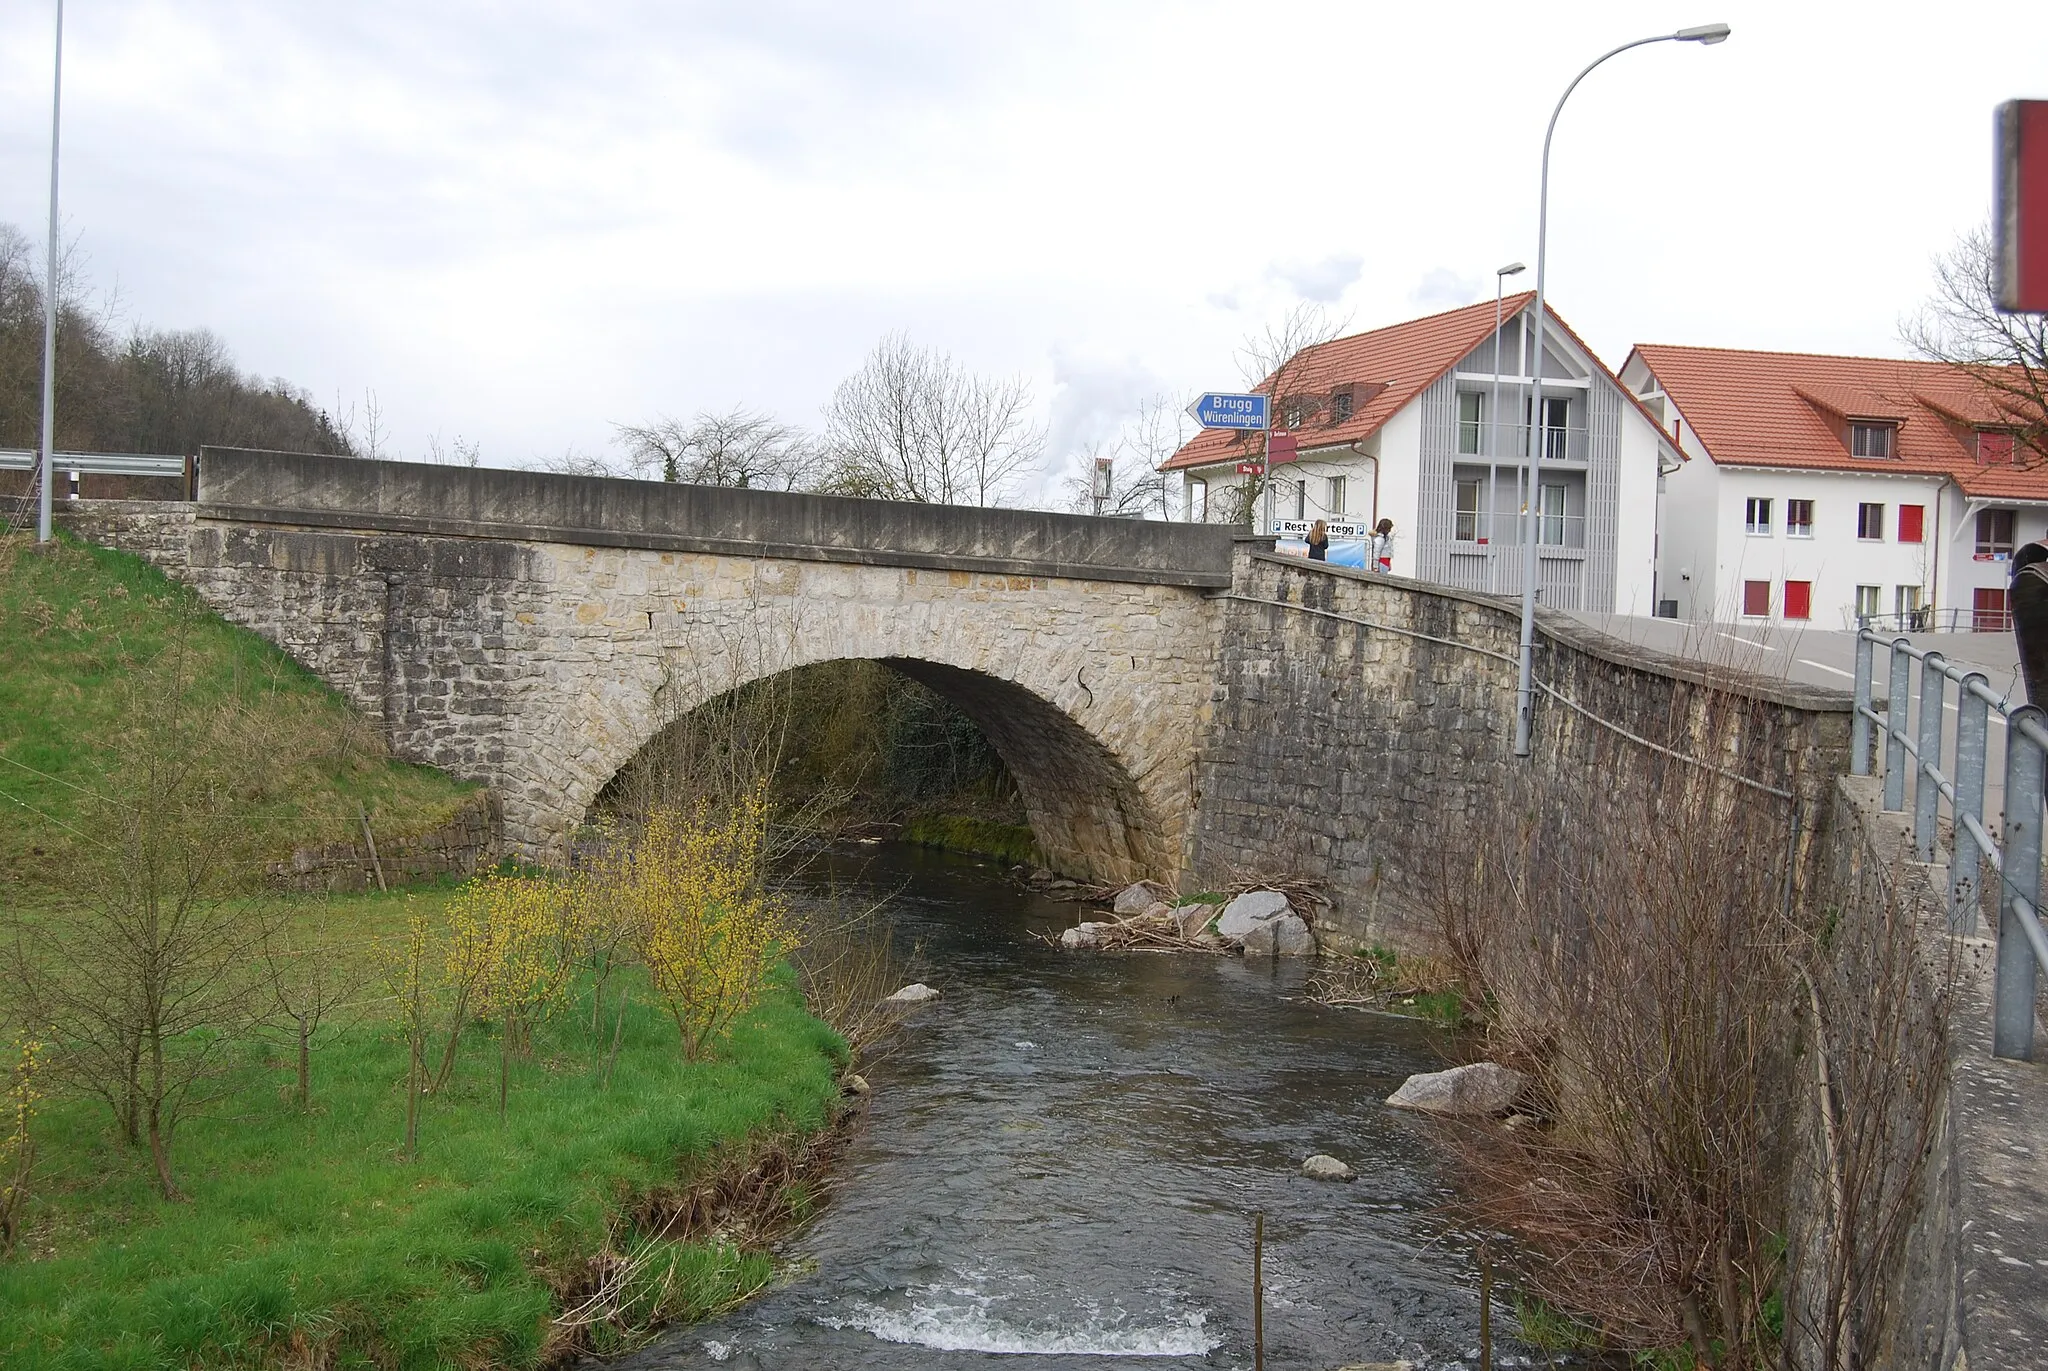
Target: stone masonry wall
{"points": [[469, 842], [541, 668], [1358, 755]]}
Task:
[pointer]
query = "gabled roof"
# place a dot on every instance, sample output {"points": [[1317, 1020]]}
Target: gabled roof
{"points": [[1789, 409], [1386, 370]]}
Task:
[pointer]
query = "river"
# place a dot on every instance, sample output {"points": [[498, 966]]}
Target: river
{"points": [[1062, 1157]]}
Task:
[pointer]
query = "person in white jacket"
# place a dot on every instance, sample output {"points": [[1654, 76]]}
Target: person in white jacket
{"points": [[1383, 546]]}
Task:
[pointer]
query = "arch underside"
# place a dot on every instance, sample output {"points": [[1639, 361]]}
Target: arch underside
{"points": [[1084, 807]]}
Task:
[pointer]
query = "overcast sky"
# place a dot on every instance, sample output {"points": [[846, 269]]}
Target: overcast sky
{"points": [[521, 224]]}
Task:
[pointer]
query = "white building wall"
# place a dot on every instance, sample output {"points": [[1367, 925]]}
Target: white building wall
{"points": [[1400, 442], [1688, 529], [1835, 560], [1635, 546]]}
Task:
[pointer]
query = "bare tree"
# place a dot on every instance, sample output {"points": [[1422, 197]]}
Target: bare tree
{"points": [[1137, 486], [913, 424], [739, 447], [1281, 361], [2005, 354]]}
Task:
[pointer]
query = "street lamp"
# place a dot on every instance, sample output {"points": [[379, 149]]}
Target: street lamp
{"points": [[1525, 694], [1500, 278], [50, 302]]}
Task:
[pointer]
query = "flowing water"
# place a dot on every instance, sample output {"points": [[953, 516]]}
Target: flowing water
{"points": [[1063, 1154]]}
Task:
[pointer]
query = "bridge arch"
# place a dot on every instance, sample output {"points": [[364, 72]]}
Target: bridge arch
{"points": [[1085, 809]]}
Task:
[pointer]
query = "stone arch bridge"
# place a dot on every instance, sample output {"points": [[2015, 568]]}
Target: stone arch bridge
{"points": [[534, 631]]}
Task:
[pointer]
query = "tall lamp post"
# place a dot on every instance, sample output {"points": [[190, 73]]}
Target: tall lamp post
{"points": [[50, 302], [1500, 279], [1525, 691]]}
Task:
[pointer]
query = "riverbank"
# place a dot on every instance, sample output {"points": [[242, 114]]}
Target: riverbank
{"points": [[308, 1237]]}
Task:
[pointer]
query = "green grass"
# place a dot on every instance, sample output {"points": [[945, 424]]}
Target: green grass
{"points": [[308, 1230], [1010, 844], [79, 627]]}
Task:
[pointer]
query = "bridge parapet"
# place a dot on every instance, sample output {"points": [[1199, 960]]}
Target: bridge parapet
{"points": [[304, 491]]}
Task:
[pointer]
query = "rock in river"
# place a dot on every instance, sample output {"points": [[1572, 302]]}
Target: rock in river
{"points": [[1248, 911], [1286, 936], [1323, 1167], [1083, 935], [1139, 896], [915, 993], [1481, 1088]]}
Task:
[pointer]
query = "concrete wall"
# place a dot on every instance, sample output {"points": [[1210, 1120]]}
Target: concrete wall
{"points": [[591, 511], [1356, 755]]}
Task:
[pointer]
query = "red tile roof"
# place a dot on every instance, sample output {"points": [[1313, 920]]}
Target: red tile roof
{"points": [[1387, 368], [1789, 409]]}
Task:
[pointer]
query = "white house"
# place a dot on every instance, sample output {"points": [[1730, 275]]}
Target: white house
{"points": [[1400, 423], [1828, 490]]}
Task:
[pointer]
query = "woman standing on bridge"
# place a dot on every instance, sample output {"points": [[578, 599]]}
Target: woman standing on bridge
{"points": [[1383, 546], [1319, 542]]}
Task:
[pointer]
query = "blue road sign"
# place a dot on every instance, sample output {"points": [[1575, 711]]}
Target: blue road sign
{"points": [[1230, 411]]}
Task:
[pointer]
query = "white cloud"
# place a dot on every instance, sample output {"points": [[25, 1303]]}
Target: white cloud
{"points": [[1323, 281], [1442, 288]]}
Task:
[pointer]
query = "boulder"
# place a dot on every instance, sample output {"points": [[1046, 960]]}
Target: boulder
{"points": [[857, 1085], [1158, 909], [1322, 1167], [1083, 935], [1285, 936], [1191, 919], [1135, 897], [1248, 911], [1481, 1088], [915, 993]]}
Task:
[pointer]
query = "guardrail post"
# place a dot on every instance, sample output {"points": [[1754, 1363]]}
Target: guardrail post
{"points": [[1897, 711], [1973, 730], [1859, 725], [2012, 1032], [1927, 790]]}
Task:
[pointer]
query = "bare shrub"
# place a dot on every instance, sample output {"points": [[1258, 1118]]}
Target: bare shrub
{"points": [[846, 964]]}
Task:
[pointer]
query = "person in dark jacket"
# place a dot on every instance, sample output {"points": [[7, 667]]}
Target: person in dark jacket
{"points": [[1319, 542]]}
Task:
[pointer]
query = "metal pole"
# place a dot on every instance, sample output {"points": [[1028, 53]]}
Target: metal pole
{"points": [[1972, 734], [1896, 711], [1525, 690], [2012, 1031], [50, 301], [1859, 726], [1926, 790]]}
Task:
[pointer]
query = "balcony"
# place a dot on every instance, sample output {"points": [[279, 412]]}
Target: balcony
{"points": [[1477, 532], [1506, 443]]}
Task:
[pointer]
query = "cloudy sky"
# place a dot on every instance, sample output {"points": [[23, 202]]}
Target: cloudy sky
{"points": [[522, 223]]}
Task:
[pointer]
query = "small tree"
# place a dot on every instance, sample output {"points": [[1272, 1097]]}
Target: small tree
{"points": [[739, 447], [913, 424], [309, 977], [1137, 488], [406, 975], [2005, 355], [513, 949], [707, 931], [17, 1144]]}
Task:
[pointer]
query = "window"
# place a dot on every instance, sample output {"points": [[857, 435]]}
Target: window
{"points": [[1756, 516], [1465, 520], [1557, 413], [1197, 501], [1799, 518], [1995, 447], [1340, 405], [1912, 519], [1335, 503], [1756, 599], [1866, 602], [1799, 599], [1906, 602], [1870, 440], [1301, 499], [1294, 414], [1550, 515], [1988, 612], [1994, 533], [1870, 523], [1470, 412]]}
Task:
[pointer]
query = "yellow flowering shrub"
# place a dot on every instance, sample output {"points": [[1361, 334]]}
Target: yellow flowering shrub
{"points": [[17, 1145]]}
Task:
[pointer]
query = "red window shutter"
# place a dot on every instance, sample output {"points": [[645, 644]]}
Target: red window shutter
{"points": [[1988, 613], [1756, 598], [1799, 599], [1910, 517]]}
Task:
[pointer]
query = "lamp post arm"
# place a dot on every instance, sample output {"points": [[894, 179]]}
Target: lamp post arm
{"points": [[1525, 693]]}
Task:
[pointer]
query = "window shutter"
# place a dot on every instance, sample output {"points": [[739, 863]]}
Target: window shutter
{"points": [[1756, 598], [1910, 517], [1799, 599]]}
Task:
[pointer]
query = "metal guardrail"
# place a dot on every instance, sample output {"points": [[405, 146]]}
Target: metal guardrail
{"points": [[97, 463], [1932, 620], [1915, 725]]}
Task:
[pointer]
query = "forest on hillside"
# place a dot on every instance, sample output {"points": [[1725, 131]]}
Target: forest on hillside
{"points": [[135, 389]]}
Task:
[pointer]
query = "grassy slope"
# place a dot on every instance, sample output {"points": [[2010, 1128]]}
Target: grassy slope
{"points": [[307, 1228], [78, 626]]}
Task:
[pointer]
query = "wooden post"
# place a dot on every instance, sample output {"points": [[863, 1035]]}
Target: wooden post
{"points": [[1259, 1291], [1485, 1309]]}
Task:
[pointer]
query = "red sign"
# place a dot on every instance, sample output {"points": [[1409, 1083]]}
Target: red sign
{"points": [[1282, 446], [1251, 468], [2019, 218]]}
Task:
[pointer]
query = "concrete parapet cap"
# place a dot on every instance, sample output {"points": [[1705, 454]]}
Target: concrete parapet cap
{"points": [[1580, 637]]}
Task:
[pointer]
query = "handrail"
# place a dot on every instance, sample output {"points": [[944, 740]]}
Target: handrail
{"points": [[1914, 724]]}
